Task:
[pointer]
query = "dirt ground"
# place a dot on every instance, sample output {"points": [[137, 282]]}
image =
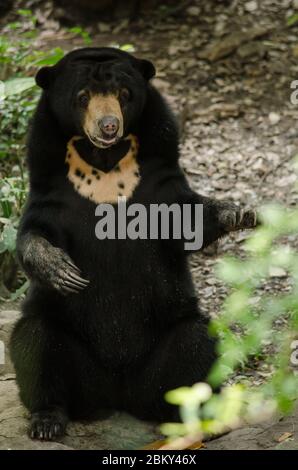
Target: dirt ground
{"points": [[226, 67]]}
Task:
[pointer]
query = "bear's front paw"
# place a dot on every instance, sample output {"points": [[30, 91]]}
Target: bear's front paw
{"points": [[233, 218], [64, 275], [51, 266]]}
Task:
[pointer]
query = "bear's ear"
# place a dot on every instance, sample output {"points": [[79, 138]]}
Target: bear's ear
{"points": [[146, 68], [44, 77]]}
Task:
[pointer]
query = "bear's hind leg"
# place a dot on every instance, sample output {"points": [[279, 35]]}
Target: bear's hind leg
{"points": [[42, 367], [183, 357], [51, 369]]}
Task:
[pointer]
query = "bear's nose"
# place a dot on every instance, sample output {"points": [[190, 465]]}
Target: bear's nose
{"points": [[109, 125]]}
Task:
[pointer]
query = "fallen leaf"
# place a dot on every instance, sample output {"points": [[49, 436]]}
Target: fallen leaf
{"points": [[284, 437]]}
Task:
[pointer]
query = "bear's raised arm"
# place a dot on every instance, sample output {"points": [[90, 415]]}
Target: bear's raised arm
{"points": [[219, 217], [41, 257]]}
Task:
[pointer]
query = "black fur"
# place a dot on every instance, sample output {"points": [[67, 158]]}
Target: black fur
{"points": [[106, 324]]}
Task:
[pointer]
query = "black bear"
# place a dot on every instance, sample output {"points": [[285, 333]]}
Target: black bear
{"points": [[107, 323]]}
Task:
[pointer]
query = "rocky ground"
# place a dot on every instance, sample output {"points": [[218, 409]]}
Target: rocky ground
{"points": [[226, 67]]}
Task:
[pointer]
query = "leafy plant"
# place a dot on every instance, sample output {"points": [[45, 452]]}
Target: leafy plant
{"points": [[244, 328], [292, 20], [78, 30]]}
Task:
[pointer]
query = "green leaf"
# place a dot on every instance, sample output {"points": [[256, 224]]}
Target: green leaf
{"points": [[292, 20], [274, 215], [51, 59], [127, 48], [81, 32], [179, 395], [15, 86], [219, 373], [75, 30], [15, 25], [87, 38], [24, 12], [6, 208], [173, 429], [198, 393], [260, 241], [230, 270], [9, 235]]}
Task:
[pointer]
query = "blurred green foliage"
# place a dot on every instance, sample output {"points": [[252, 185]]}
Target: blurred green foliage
{"points": [[244, 327], [292, 20], [19, 60]]}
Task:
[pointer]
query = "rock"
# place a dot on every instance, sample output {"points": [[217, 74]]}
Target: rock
{"points": [[173, 49], [103, 27], [14, 423], [225, 46], [251, 6], [221, 110], [193, 11], [295, 50], [287, 181], [250, 49], [275, 271], [274, 118], [262, 436], [7, 321], [121, 25], [163, 86]]}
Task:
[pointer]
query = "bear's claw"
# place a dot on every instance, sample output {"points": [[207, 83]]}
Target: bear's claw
{"points": [[62, 274], [47, 425], [52, 266], [234, 218]]}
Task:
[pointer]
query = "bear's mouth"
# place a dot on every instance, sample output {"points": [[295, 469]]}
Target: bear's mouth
{"points": [[101, 142]]}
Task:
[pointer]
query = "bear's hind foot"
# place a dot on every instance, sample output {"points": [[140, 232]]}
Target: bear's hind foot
{"points": [[48, 425]]}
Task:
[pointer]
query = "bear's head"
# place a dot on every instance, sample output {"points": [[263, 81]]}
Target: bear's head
{"points": [[97, 92]]}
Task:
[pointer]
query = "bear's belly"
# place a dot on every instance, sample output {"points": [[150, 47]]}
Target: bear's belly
{"points": [[116, 313], [132, 293], [118, 329]]}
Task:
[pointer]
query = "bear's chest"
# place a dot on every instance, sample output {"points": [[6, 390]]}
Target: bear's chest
{"points": [[100, 186]]}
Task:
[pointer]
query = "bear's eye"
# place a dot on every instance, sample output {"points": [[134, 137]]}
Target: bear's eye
{"points": [[83, 99], [124, 95]]}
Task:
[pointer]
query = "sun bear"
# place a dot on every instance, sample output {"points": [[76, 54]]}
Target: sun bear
{"points": [[107, 323]]}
